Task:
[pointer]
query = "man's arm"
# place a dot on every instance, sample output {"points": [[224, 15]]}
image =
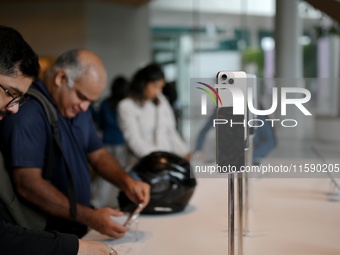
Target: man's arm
{"points": [[33, 188], [17, 240], [108, 168]]}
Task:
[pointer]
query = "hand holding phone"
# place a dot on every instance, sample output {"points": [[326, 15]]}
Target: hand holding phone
{"points": [[134, 215]]}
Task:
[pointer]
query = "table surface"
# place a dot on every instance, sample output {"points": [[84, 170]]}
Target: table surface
{"points": [[200, 229], [295, 216]]}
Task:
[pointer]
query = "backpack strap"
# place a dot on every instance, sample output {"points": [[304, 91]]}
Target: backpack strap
{"points": [[11, 210], [55, 146]]}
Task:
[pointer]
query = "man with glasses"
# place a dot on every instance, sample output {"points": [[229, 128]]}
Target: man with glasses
{"points": [[16, 100], [71, 84], [18, 67]]}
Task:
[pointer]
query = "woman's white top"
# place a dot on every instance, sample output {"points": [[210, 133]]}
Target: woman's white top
{"points": [[149, 127]]}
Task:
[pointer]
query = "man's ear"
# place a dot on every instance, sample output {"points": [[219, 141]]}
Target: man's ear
{"points": [[60, 78]]}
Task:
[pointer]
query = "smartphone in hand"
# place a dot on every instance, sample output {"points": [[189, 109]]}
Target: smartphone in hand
{"points": [[133, 215]]}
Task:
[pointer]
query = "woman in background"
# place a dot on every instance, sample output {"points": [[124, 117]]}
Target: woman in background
{"points": [[146, 117]]}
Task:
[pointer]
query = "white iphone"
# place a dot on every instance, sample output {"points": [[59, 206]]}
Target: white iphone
{"points": [[232, 124], [134, 215]]}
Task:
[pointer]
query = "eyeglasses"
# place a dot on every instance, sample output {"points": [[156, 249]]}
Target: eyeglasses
{"points": [[15, 99]]}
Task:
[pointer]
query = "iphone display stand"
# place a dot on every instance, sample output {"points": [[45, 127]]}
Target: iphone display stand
{"points": [[230, 158]]}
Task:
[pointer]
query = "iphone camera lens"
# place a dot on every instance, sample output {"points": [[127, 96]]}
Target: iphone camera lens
{"points": [[224, 77], [231, 81]]}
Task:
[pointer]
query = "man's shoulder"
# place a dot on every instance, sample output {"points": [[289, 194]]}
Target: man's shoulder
{"points": [[28, 124], [32, 108], [30, 113]]}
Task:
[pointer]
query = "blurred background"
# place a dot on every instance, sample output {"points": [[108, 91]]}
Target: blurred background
{"points": [[196, 39], [289, 39]]}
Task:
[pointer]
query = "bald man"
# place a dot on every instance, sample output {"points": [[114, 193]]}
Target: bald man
{"points": [[76, 79]]}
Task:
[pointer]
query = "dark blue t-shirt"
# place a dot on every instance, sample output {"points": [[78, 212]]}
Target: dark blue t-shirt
{"points": [[25, 141], [108, 122]]}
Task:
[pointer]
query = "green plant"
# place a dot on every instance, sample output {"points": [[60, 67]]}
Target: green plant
{"points": [[255, 56]]}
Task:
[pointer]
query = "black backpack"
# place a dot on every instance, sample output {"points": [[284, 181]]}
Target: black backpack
{"points": [[12, 208]]}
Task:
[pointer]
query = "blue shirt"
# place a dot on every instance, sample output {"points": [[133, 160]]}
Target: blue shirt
{"points": [[108, 122], [25, 141]]}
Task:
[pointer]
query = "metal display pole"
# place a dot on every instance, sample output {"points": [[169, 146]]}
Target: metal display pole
{"points": [[231, 216], [246, 205], [248, 162], [252, 83], [231, 155], [240, 212], [231, 144]]}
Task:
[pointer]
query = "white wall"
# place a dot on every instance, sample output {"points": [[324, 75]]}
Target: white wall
{"points": [[50, 28], [120, 35]]}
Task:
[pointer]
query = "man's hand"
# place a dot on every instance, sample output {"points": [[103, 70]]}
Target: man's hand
{"points": [[94, 248], [108, 168], [101, 221], [137, 191]]}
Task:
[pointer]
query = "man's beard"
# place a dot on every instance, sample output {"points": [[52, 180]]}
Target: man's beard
{"points": [[4, 113]]}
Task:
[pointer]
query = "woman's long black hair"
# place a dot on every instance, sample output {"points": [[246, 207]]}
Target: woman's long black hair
{"points": [[141, 78]]}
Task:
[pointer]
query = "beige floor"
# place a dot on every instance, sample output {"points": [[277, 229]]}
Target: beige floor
{"points": [[292, 216], [295, 215]]}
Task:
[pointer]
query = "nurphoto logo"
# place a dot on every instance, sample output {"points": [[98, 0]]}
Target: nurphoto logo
{"points": [[239, 105], [204, 97]]}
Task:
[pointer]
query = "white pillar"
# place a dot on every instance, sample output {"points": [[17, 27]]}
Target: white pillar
{"points": [[288, 60], [288, 66], [183, 56]]}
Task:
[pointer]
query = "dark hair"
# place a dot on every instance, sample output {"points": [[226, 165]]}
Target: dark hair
{"points": [[142, 77], [119, 89], [16, 55]]}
